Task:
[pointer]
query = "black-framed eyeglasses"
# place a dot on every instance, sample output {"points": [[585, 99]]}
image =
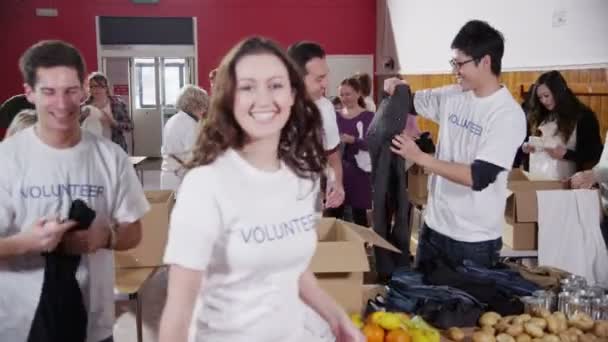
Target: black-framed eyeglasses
{"points": [[457, 65]]}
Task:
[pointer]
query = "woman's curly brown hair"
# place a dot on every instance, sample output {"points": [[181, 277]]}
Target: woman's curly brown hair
{"points": [[300, 145]]}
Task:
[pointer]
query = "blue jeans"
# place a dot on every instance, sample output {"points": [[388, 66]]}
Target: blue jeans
{"points": [[432, 244], [507, 280]]}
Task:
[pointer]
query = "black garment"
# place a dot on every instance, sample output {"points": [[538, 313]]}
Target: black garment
{"points": [[61, 315], [389, 183], [11, 107], [439, 272], [359, 215], [484, 174], [588, 142]]}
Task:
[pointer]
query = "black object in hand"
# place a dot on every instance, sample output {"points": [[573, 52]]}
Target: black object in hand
{"points": [[425, 143], [81, 213]]}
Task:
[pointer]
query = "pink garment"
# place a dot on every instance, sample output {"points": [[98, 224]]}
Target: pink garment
{"points": [[411, 126]]}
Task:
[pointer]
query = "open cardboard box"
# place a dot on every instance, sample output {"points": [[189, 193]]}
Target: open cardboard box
{"points": [[521, 212], [155, 230], [417, 185], [341, 259]]}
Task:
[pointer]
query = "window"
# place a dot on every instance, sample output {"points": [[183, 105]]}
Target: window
{"points": [[174, 77], [145, 85]]}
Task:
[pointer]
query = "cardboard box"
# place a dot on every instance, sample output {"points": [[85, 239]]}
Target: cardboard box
{"points": [[521, 212], [417, 185], [155, 229], [521, 236], [341, 259]]}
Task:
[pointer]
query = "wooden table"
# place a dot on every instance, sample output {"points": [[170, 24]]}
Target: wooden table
{"points": [[129, 281], [136, 162]]}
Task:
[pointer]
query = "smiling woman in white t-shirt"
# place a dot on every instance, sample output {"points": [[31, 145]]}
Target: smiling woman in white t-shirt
{"points": [[242, 232]]}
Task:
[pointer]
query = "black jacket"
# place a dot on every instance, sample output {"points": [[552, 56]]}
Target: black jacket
{"points": [[388, 178]]}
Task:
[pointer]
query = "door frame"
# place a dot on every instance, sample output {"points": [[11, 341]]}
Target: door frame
{"points": [[190, 52]]}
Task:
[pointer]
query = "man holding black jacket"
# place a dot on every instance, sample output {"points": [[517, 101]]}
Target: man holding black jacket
{"points": [[481, 127], [48, 167]]}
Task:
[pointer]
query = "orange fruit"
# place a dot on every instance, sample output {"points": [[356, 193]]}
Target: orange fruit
{"points": [[373, 333], [398, 335]]}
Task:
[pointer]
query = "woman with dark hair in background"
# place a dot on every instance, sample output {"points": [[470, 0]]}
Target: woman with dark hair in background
{"points": [[116, 113], [353, 122], [562, 127], [366, 91], [243, 229]]}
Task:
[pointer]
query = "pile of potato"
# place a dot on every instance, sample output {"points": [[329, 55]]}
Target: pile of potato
{"points": [[541, 326]]}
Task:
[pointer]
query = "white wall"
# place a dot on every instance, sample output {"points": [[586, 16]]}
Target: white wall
{"points": [[343, 66], [424, 30]]}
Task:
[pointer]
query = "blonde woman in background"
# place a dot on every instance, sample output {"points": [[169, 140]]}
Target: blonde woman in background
{"points": [[24, 119], [179, 134]]}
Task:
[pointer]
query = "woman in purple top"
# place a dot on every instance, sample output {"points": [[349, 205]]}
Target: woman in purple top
{"points": [[353, 122]]}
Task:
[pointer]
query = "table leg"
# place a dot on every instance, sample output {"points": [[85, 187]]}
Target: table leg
{"points": [[138, 316]]}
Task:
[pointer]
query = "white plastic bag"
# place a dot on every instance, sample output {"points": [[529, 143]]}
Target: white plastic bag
{"points": [[362, 157], [93, 122], [542, 165]]}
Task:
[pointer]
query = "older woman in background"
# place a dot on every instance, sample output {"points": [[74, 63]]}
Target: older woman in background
{"points": [[116, 114], [179, 134], [24, 119]]}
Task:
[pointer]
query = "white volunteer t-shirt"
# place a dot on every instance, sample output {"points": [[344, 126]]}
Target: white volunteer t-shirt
{"points": [[331, 133], [489, 129], [39, 181], [253, 233], [179, 136]]}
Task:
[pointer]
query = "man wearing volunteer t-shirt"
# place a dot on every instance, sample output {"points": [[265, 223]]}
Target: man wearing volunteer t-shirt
{"points": [[480, 129], [45, 169], [310, 57]]}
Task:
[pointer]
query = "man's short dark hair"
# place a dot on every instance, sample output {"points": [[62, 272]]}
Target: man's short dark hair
{"points": [[302, 52], [477, 39], [48, 54]]}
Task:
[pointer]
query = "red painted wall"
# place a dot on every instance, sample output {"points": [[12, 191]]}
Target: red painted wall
{"points": [[341, 26]]}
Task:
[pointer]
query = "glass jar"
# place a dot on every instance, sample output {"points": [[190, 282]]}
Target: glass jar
{"points": [[596, 308], [577, 305], [547, 297], [563, 299], [596, 291], [532, 304]]}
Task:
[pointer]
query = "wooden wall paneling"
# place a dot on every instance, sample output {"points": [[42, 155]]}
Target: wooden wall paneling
{"points": [[582, 80]]}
